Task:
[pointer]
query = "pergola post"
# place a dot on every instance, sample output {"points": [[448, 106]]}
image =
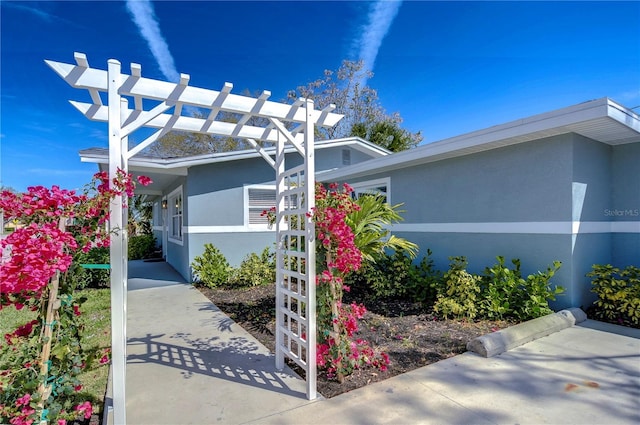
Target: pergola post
{"points": [[310, 240], [117, 227]]}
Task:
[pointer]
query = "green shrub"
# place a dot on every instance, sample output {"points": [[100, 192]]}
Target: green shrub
{"points": [[424, 280], [500, 293], [384, 278], [507, 294], [141, 246], [535, 295], [460, 295], [211, 268], [396, 277], [618, 293], [500, 289], [256, 270], [91, 278]]}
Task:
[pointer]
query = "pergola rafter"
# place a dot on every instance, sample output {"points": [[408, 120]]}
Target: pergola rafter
{"points": [[283, 123]]}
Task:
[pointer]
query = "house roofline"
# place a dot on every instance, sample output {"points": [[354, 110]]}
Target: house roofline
{"points": [[179, 165], [602, 120]]}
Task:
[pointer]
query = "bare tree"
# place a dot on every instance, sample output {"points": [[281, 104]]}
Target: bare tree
{"points": [[364, 116]]}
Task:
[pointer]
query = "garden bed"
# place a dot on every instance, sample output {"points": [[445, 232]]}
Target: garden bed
{"points": [[411, 334]]}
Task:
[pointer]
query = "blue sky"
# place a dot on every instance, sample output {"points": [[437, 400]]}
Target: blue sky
{"points": [[447, 67]]}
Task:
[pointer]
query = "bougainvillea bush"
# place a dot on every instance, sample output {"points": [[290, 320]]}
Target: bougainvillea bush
{"points": [[337, 255], [40, 361]]}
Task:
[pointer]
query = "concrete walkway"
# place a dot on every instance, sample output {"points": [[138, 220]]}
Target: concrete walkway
{"points": [[188, 363]]}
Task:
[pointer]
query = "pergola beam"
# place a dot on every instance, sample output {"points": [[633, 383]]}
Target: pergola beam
{"points": [[89, 78], [189, 124]]}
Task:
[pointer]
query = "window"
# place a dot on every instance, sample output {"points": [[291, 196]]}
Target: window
{"points": [[373, 187], [175, 207], [259, 199]]}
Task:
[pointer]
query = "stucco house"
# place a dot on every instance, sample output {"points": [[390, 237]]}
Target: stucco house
{"points": [[218, 198], [563, 185]]}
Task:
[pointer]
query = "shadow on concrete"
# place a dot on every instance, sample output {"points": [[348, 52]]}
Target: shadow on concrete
{"points": [[235, 359], [220, 320], [580, 387]]}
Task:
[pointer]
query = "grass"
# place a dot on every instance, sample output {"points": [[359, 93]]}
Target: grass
{"points": [[96, 335]]}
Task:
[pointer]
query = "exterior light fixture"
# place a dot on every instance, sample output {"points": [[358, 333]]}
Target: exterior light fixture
{"points": [[164, 204]]}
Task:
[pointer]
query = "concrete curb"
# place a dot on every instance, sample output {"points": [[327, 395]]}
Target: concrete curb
{"points": [[498, 342]]}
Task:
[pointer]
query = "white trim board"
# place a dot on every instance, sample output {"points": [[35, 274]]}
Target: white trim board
{"points": [[223, 229], [527, 227]]}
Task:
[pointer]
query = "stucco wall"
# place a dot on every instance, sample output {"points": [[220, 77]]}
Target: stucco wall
{"points": [[625, 203], [591, 182], [516, 183]]}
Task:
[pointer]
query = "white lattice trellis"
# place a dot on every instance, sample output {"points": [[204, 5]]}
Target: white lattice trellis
{"points": [[285, 123], [296, 261]]}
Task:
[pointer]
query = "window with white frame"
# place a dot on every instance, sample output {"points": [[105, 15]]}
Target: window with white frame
{"points": [[175, 208], [259, 199], [380, 187]]}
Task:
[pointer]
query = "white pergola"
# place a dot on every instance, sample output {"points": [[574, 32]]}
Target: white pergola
{"points": [[285, 123]]}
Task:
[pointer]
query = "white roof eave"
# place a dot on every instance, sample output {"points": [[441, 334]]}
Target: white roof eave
{"points": [[183, 163], [595, 119]]}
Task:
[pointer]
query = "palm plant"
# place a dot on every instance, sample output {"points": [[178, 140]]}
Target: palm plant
{"points": [[370, 227]]}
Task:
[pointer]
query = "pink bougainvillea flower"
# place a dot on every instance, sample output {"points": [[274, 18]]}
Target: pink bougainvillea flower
{"points": [[85, 408], [144, 180], [24, 400]]}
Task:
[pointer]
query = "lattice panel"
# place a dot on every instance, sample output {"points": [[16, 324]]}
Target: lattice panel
{"points": [[295, 291]]}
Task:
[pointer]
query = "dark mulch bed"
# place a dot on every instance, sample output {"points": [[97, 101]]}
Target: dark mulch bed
{"points": [[411, 334]]}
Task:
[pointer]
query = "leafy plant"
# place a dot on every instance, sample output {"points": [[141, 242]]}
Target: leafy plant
{"points": [[386, 278], [211, 268], [424, 280], [256, 270], [90, 278], [460, 295], [141, 246], [395, 276], [536, 294], [369, 225], [501, 289], [618, 293]]}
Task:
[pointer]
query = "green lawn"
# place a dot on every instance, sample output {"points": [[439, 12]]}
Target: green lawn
{"points": [[96, 335]]}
